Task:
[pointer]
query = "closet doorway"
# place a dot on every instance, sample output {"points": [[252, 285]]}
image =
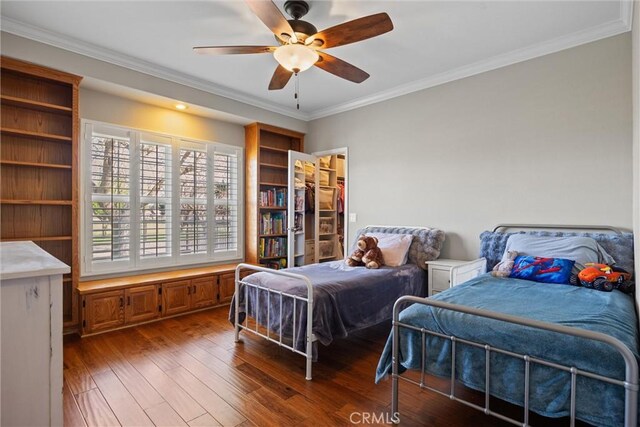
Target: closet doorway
{"points": [[317, 206]]}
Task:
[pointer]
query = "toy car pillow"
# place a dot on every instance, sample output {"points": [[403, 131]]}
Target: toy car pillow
{"points": [[544, 270], [603, 277]]}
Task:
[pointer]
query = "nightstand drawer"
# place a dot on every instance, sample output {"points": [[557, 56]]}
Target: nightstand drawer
{"points": [[440, 279]]}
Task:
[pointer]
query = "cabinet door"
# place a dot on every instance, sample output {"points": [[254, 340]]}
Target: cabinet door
{"points": [[104, 310], [176, 297], [141, 304], [441, 280], [227, 287], [203, 292]]}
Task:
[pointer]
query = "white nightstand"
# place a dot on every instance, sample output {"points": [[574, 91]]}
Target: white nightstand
{"points": [[445, 273]]}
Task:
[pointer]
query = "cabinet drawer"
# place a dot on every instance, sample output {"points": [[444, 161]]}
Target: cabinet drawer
{"points": [[440, 279]]}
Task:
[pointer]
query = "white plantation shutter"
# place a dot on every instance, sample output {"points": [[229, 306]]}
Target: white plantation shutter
{"points": [[155, 196], [158, 201], [225, 199], [193, 200], [110, 196]]}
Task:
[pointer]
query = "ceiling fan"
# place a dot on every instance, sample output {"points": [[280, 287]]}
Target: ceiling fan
{"points": [[300, 43]]}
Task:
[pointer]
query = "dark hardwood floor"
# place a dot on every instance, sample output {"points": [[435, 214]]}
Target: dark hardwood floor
{"points": [[188, 371]]}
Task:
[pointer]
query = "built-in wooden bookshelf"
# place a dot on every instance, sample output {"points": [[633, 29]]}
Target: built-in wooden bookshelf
{"points": [[266, 190], [39, 165]]}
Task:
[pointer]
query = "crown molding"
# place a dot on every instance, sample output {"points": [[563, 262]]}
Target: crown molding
{"points": [[28, 31], [599, 32], [609, 29], [626, 13]]}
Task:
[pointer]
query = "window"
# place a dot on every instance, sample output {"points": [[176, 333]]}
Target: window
{"points": [[155, 200], [193, 201], [110, 197], [155, 197]]}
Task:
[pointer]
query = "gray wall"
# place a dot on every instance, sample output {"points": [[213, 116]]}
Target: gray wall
{"points": [[544, 141]]}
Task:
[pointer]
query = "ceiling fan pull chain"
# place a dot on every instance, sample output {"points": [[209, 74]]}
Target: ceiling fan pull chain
{"points": [[297, 95]]}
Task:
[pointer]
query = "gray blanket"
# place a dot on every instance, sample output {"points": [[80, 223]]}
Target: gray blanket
{"points": [[346, 299]]}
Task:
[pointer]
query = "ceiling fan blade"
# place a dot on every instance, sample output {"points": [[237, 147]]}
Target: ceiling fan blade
{"points": [[280, 78], [271, 16], [338, 67], [232, 50], [353, 31]]}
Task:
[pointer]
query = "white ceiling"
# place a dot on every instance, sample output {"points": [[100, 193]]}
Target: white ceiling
{"points": [[432, 42]]}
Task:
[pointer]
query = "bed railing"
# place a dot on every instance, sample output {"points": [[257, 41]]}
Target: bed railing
{"points": [[630, 382], [244, 286]]}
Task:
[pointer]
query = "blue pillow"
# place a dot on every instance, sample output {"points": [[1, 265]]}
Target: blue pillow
{"points": [[545, 270]]}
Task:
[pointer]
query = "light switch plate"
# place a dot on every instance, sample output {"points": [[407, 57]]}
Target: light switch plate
{"points": [[353, 217]]}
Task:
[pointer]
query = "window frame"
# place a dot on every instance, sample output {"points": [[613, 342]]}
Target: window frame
{"points": [[136, 262]]}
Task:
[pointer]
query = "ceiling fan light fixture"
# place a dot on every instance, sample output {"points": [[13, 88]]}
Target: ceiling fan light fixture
{"points": [[296, 57]]}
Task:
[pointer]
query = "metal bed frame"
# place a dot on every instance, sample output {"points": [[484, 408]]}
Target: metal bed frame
{"points": [[310, 338], [630, 382]]}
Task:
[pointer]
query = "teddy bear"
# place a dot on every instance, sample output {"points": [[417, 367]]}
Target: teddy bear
{"points": [[367, 253], [503, 268]]}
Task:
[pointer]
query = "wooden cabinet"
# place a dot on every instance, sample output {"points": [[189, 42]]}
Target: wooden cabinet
{"points": [[204, 292], [104, 310], [39, 166], [266, 149], [227, 287], [176, 297], [141, 304], [124, 301]]}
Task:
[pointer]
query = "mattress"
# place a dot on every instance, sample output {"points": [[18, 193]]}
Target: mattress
{"points": [[345, 298], [612, 313]]}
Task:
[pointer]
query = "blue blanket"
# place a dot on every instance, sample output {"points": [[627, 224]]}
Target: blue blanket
{"points": [[345, 298], [612, 313]]}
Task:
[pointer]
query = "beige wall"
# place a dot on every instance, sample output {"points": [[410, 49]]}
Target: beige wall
{"points": [[543, 141], [125, 112], [60, 59]]}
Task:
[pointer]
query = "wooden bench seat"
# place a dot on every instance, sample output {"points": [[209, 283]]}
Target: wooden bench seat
{"points": [[114, 303]]}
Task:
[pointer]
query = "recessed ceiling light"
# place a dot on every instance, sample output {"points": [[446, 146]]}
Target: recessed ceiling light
{"points": [[181, 106]]}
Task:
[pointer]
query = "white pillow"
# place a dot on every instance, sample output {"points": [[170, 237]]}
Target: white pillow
{"points": [[394, 247], [580, 249]]}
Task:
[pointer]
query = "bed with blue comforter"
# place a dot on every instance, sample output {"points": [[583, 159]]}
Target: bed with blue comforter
{"points": [[612, 313]]}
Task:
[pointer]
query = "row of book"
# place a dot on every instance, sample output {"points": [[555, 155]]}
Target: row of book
{"points": [[273, 223], [273, 197], [273, 247]]}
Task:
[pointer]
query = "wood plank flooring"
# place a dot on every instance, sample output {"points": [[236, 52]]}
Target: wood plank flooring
{"points": [[188, 371]]}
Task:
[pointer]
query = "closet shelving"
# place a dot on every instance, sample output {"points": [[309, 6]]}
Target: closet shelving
{"points": [[267, 149], [39, 165], [340, 178], [327, 217]]}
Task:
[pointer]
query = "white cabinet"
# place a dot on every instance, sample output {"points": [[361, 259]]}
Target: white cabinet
{"points": [[31, 356], [443, 274]]}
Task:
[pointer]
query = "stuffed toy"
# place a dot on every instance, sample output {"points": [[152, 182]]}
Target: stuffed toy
{"points": [[503, 268], [603, 277], [367, 253]]}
